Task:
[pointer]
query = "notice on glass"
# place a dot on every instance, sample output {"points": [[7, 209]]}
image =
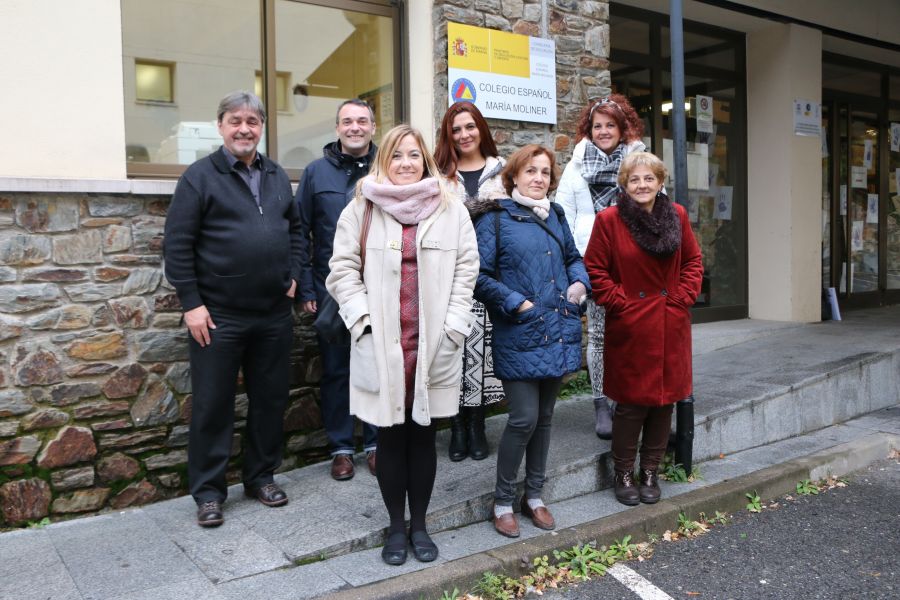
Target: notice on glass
{"points": [[895, 137], [867, 153], [897, 181], [704, 105], [872, 209], [856, 236], [697, 165], [858, 177], [723, 203], [843, 200], [807, 118], [693, 207], [824, 143]]}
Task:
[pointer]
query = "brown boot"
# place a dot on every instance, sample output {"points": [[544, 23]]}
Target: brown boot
{"points": [[648, 490], [626, 491]]}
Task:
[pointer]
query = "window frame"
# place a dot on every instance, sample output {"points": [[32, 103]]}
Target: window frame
{"points": [[150, 62]]}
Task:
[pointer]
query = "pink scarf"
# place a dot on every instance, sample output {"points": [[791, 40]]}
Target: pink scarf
{"points": [[409, 204]]}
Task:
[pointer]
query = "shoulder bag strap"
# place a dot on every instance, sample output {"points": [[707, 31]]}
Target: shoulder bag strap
{"points": [[364, 235]]}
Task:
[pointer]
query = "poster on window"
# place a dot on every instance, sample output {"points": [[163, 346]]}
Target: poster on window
{"points": [[856, 236], [895, 137], [704, 107], [693, 207], [723, 203], [858, 177], [872, 209], [506, 75], [843, 200], [868, 147]]}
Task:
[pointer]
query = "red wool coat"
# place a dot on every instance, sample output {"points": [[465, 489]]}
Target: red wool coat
{"points": [[647, 350]]}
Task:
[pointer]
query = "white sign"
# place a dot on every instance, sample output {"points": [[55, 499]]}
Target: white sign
{"points": [[693, 207], [697, 164], [506, 75], [895, 137], [704, 107], [872, 212], [867, 153], [723, 203], [807, 117], [858, 177], [856, 236]]}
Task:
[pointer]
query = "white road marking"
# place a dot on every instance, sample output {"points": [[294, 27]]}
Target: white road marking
{"points": [[637, 584]]}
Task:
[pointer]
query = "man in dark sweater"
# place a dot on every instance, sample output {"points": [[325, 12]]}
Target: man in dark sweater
{"points": [[327, 185], [232, 252]]}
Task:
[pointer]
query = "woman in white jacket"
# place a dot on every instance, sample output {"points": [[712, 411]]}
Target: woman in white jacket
{"points": [[467, 156], [608, 130], [407, 306]]}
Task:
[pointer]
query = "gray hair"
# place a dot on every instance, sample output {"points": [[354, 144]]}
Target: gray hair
{"points": [[354, 102], [240, 99]]}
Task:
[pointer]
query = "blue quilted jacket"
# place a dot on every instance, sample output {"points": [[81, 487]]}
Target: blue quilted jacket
{"points": [[544, 341]]}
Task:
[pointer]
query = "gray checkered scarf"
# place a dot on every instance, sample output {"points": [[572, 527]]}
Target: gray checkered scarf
{"points": [[600, 170]]}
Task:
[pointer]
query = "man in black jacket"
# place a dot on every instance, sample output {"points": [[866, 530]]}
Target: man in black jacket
{"points": [[232, 252], [327, 185]]}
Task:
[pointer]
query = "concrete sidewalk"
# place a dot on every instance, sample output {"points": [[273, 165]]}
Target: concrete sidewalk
{"points": [[768, 394]]}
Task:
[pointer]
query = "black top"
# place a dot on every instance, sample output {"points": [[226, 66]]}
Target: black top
{"points": [[470, 179]]}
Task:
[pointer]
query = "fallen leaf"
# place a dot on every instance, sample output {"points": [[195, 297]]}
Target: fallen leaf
{"points": [[693, 593], [721, 455]]}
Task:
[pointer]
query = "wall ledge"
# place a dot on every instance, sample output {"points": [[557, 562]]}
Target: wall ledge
{"points": [[165, 187]]}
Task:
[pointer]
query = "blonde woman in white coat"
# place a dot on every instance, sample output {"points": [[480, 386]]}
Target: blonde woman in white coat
{"points": [[609, 129], [408, 313], [467, 156]]}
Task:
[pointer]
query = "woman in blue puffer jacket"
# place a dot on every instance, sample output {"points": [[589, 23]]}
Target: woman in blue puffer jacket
{"points": [[532, 282]]}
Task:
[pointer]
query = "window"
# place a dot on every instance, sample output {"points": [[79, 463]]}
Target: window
{"points": [[153, 81], [318, 53]]}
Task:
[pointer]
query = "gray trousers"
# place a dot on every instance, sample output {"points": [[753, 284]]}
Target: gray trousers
{"points": [[527, 433]]}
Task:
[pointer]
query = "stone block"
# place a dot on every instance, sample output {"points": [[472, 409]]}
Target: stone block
{"points": [[131, 312], [163, 461], [48, 418], [165, 346], [99, 346], [155, 406], [8, 275], [136, 494], [525, 27], [93, 292], [89, 370], [167, 321], [103, 317], [512, 9], [81, 501], [102, 408], [302, 413], [129, 440], [70, 479], [110, 273], [116, 238], [147, 234], [112, 425], [125, 382], [70, 446], [170, 480], [497, 22], [179, 377], [117, 467], [143, 280], [113, 206], [178, 437], [532, 12], [54, 275], [14, 402], [40, 215], [134, 259], [36, 366], [79, 248], [70, 393], [166, 302], [20, 250], [28, 297], [72, 316], [25, 500], [158, 207], [19, 451], [101, 221], [8, 428], [491, 6]]}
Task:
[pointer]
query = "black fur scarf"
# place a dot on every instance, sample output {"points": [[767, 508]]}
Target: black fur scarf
{"points": [[659, 231]]}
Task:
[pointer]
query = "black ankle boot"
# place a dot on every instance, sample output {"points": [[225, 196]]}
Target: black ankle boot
{"points": [[459, 443], [478, 446], [625, 490]]}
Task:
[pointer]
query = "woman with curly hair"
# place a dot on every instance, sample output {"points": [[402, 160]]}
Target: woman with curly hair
{"points": [[608, 130]]}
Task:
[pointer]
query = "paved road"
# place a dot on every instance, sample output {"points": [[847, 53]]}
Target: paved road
{"points": [[841, 544]]}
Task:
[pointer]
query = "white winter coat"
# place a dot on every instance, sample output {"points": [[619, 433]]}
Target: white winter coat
{"points": [[574, 195], [490, 184], [447, 257]]}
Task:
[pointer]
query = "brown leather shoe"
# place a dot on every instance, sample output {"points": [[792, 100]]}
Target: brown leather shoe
{"points": [[649, 488], [342, 467], [506, 525], [625, 490], [270, 494], [370, 460], [209, 514], [540, 516]]}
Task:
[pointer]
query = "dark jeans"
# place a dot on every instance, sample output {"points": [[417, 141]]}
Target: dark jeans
{"points": [[407, 464], [334, 393], [259, 344], [628, 423], [527, 433]]}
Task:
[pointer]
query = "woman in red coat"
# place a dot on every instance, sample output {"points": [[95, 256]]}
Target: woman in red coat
{"points": [[645, 268]]}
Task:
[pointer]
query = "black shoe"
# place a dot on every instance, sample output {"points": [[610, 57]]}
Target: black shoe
{"points": [[269, 494], [424, 549], [459, 443], [602, 419], [478, 445], [625, 490], [649, 488], [394, 551], [209, 514]]}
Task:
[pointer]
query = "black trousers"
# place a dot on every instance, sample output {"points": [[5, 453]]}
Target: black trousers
{"points": [[259, 344], [334, 400]]}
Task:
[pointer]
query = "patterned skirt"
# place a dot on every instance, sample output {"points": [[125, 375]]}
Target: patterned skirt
{"points": [[479, 385]]}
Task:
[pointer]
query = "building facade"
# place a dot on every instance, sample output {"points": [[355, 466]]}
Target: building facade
{"points": [[94, 387]]}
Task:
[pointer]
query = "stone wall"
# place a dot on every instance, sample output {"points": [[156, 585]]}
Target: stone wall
{"points": [[581, 31], [94, 380]]}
